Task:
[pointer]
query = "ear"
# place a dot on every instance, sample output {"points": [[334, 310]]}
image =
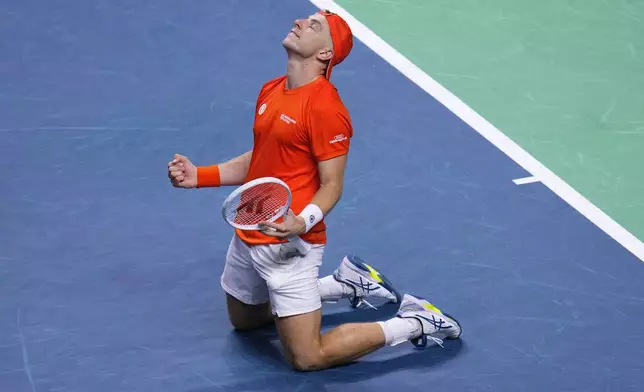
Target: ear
{"points": [[325, 54]]}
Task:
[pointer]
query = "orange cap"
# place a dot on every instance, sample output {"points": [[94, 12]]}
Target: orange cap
{"points": [[341, 36]]}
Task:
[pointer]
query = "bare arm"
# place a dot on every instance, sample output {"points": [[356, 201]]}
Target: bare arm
{"points": [[331, 183], [232, 172]]}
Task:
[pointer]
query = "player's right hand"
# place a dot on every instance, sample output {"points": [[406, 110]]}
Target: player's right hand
{"points": [[182, 173]]}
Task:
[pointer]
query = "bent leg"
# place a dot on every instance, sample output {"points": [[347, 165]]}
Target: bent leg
{"points": [[306, 349], [295, 300]]}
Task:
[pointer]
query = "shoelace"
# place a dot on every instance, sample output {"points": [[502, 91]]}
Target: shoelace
{"points": [[362, 301], [436, 340]]}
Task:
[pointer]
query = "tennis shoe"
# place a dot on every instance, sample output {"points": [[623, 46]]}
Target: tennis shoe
{"points": [[365, 281], [435, 323]]}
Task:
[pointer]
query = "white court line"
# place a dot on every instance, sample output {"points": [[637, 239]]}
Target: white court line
{"points": [[525, 180], [488, 131]]}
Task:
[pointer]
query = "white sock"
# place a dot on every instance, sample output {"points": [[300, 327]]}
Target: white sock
{"points": [[332, 290], [399, 330]]}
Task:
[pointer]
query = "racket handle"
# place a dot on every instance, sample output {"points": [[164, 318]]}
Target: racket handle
{"points": [[302, 247]]}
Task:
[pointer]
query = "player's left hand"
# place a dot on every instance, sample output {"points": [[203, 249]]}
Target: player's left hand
{"points": [[292, 225]]}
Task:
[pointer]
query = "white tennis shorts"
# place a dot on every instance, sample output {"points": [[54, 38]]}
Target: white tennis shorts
{"points": [[277, 273]]}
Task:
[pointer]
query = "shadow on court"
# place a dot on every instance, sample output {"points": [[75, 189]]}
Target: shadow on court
{"points": [[267, 370]]}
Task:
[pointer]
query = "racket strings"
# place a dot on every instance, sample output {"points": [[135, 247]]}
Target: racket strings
{"points": [[260, 203]]}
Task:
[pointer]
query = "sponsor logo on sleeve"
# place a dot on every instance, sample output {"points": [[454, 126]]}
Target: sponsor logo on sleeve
{"points": [[338, 138]]}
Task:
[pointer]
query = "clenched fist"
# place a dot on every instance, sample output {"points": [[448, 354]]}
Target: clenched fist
{"points": [[182, 173]]}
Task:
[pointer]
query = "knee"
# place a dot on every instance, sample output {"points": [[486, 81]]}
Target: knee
{"points": [[308, 363]]}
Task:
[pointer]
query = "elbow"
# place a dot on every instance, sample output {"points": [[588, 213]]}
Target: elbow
{"points": [[336, 188]]}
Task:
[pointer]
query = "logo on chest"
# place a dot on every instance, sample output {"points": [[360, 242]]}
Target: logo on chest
{"points": [[287, 119], [262, 109]]}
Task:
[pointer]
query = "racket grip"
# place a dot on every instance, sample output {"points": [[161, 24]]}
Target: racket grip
{"points": [[302, 246]]}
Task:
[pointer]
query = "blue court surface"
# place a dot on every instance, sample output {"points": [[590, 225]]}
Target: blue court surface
{"points": [[109, 277]]}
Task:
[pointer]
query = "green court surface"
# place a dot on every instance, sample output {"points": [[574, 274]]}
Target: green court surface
{"points": [[562, 78]]}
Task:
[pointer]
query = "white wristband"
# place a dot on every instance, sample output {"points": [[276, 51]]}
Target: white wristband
{"points": [[312, 215]]}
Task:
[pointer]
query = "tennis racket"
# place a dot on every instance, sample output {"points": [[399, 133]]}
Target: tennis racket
{"points": [[263, 199]]}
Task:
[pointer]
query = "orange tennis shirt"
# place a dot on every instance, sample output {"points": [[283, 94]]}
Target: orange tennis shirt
{"points": [[294, 129]]}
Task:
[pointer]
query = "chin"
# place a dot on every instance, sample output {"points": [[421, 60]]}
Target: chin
{"points": [[289, 44]]}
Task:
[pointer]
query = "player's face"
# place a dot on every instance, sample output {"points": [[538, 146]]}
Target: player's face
{"points": [[310, 38]]}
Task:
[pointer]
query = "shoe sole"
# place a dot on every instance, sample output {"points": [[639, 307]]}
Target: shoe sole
{"points": [[386, 283]]}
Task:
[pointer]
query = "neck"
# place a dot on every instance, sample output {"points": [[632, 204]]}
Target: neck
{"points": [[301, 71]]}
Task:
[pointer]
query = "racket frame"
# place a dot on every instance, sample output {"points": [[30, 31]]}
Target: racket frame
{"points": [[247, 186], [302, 246]]}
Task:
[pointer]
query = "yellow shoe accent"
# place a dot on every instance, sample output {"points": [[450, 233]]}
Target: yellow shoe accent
{"points": [[431, 307], [373, 273]]}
